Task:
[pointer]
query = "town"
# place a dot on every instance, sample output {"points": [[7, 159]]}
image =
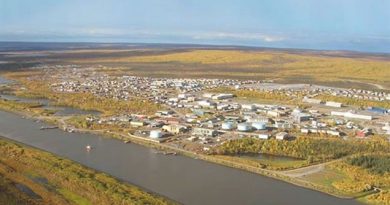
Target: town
{"points": [[196, 117]]}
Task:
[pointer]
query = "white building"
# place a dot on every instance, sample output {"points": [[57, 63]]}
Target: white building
{"points": [[228, 125], [206, 103], [156, 134], [281, 136], [263, 136], [222, 96], [351, 115], [333, 104], [244, 127]]}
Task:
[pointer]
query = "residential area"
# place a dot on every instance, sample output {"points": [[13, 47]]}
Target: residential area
{"points": [[194, 117]]}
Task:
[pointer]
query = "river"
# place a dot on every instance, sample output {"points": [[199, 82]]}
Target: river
{"points": [[186, 180]]}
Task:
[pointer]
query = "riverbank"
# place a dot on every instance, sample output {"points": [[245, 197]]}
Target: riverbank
{"points": [[279, 175], [60, 181], [180, 178]]}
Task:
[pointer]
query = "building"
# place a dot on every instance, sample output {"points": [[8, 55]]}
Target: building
{"points": [[174, 129], [137, 123], [259, 125], [263, 136], [301, 117], [333, 133], [282, 125], [351, 115], [228, 125], [222, 96], [333, 104], [168, 120], [281, 136], [204, 132], [386, 128], [155, 134], [244, 127], [257, 118], [276, 113], [377, 110], [248, 107], [207, 104], [363, 133]]}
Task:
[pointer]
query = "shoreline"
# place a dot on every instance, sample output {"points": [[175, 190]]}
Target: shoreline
{"points": [[207, 158], [24, 145]]}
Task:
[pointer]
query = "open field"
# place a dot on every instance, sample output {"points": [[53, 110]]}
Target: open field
{"points": [[350, 179], [263, 65], [344, 69]]}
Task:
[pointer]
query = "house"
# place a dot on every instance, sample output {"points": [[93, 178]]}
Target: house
{"points": [[333, 133], [168, 120], [281, 136], [363, 133], [137, 123], [248, 107], [386, 128], [164, 113], [301, 117], [282, 125], [263, 136], [305, 130], [276, 113], [174, 129], [207, 104], [204, 132]]}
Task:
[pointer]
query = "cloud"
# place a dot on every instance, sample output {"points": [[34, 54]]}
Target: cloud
{"points": [[239, 36]]}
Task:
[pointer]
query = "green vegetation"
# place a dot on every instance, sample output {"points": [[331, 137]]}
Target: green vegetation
{"points": [[67, 182], [81, 122], [375, 164], [85, 101], [308, 148], [76, 199], [363, 174], [255, 95], [264, 163], [10, 195], [355, 102]]}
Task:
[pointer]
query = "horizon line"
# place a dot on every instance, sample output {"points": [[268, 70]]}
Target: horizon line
{"points": [[198, 44]]}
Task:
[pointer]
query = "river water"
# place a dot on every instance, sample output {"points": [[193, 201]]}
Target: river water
{"points": [[186, 180]]}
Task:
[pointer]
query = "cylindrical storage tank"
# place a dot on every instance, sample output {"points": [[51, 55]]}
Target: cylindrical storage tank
{"points": [[244, 127], [259, 125], [156, 134], [228, 125]]}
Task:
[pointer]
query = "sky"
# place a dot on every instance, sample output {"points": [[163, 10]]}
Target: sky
{"points": [[362, 25]]}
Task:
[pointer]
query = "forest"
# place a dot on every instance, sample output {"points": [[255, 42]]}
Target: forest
{"points": [[308, 148]]}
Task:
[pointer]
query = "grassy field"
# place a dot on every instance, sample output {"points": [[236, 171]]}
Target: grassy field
{"points": [[355, 181], [10, 195], [281, 66], [60, 181], [335, 68]]}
